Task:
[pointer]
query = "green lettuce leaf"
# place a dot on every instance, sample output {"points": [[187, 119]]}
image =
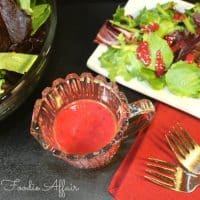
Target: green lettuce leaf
{"points": [[2, 80], [25, 5], [121, 18], [147, 16], [33, 3], [17, 62], [121, 62], [167, 27], [165, 10], [189, 24], [2, 74], [150, 76], [124, 21], [159, 13], [183, 79], [39, 16]]}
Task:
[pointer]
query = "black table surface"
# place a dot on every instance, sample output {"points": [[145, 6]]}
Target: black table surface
{"points": [[26, 170]]}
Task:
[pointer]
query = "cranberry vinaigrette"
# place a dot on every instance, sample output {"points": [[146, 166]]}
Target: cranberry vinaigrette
{"points": [[84, 126]]}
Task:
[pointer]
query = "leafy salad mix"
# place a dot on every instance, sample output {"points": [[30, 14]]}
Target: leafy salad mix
{"points": [[160, 46], [22, 34]]}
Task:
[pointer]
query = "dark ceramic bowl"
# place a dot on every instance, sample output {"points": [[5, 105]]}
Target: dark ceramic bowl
{"points": [[13, 98]]}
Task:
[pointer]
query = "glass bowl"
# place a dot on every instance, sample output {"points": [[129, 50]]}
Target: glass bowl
{"points": [[19, 92], [80, 88]]}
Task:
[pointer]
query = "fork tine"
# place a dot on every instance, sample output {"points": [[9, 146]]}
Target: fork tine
{"points": [[162, 169], [158, 182], [178, 144], [192, 141], [161, 162], [180, 157], [162, 177], [182, 139]]}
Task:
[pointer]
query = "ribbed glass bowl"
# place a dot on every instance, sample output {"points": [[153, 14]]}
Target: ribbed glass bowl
{"points": [[12, 99], [72, 89], [87, 87]]}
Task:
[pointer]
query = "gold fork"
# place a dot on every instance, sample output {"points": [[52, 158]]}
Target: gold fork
{"points": [[171, 176], [187, 151]]}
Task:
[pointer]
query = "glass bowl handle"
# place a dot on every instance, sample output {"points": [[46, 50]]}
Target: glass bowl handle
{"points": [[141, 114]]}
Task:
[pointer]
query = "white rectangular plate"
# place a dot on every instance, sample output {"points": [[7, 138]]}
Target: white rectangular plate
{"points": [[186, 104]]}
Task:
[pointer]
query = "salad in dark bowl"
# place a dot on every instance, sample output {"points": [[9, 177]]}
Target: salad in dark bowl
{"points": [[27, 29], [160, 46]]}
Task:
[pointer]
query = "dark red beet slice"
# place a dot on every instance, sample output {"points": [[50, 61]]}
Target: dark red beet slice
{"points": [[108, 34]]}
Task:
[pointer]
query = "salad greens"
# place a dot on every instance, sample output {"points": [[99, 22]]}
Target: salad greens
{"points": [[36, 12], [149, 76], [161, 36], [121, 62], [123, 21]]}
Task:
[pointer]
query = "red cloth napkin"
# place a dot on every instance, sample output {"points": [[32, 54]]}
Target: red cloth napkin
{"points": [[128, 182]]}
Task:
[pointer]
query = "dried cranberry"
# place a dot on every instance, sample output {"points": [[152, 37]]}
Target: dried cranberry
{"points": [[179, 16], [190, 58], [143, 53], [160, 65], [155, 26], [150, 28]]}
